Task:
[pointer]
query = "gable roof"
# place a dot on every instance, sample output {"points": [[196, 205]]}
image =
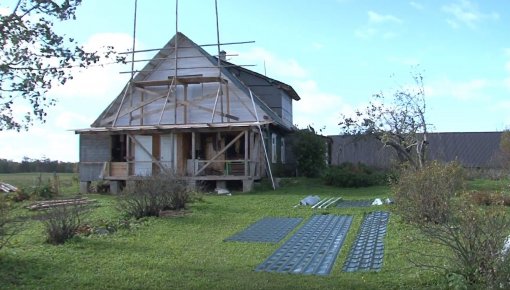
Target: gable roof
{"points": [[270, 81], [162, 56]]}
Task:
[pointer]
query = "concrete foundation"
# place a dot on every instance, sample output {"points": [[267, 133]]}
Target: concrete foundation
{"points": [[84, 187], [247, 185], [115, 186]]}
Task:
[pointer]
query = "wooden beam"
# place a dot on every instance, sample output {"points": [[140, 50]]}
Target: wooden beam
{"points": [[246, 151], [163, 168], [129, 110], [208, 110], [220, 152], [180, 81], [228, 101], [166, 102], [193, 151], [181, 47], [185, 107], [245, 106], [149, 92]]}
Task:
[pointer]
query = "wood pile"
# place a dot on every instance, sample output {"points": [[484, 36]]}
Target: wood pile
{"points": [[45, 204], [6, 187]]}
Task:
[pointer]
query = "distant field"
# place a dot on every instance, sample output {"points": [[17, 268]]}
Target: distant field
{"points": [[25, 180]]}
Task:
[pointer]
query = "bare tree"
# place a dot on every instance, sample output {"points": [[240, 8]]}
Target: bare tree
{"points": [[398, 122]]}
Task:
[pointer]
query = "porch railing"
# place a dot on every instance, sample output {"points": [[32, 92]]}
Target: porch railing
{"points": [[193, 168]]}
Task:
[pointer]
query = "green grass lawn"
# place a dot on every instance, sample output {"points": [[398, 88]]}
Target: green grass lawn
{"points": [[189, 253]]}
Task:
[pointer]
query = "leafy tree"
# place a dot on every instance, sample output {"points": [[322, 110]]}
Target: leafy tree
{"points": [[309, 148], [33, 57], [397, 121]]}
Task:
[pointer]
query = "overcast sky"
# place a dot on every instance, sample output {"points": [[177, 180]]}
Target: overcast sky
{"points": [[335, 53]]}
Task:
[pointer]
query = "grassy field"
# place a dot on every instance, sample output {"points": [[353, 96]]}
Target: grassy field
{"points": [[189, 253], [66, 181]]}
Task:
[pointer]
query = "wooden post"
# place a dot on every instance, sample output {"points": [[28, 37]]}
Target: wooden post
{"points": [[221, 101], [246, 155], [193, 150], [185, 106], [228, 101], [141, 109], [219, 153], [128, 156], [175, 101]]}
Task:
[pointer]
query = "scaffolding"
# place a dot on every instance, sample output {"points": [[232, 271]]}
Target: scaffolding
{"points": [[172, 94]]}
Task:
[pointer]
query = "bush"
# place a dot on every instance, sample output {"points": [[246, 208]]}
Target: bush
{"points": [[470, 237], [473, 239], [425, 195], [309, 149], [350, 175], [63, 222], [149, 195], [489, 198], [19, 195]]}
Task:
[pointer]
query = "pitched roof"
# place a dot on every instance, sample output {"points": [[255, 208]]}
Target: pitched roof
{"points": [[162, 55], [270, 81]]}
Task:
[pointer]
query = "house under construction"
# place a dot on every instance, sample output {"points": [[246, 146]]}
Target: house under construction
{"points": [[188, 113]]}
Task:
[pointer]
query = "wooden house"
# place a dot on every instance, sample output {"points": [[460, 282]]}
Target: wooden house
{"points": [[188, 113]]}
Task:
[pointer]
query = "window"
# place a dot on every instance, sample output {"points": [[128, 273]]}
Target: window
{"points": [[273, 148]]}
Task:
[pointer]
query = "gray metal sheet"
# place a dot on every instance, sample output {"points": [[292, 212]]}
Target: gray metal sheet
{"points": [[267, 230], [367, 251], [354, 203], [313, 249]]}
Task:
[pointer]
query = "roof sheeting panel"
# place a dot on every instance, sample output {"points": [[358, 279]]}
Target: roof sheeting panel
{"points": [[313, 249], [267, 230]]}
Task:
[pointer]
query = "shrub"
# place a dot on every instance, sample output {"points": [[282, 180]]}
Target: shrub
{"points": [[474, 240], [149, 195], [425, 195], [309, 149], [489, 198], [350, 175], [470, 237], [44, 190], [19, 195], [482, 198], [62, 222]]}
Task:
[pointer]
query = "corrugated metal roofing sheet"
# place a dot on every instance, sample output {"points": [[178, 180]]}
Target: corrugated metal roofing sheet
{"points": [[266, 230], [367, 251], [354, 203], [313, 249]]}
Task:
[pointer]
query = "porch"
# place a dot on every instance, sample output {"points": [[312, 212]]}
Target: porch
{"points": [[200, 155]]}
